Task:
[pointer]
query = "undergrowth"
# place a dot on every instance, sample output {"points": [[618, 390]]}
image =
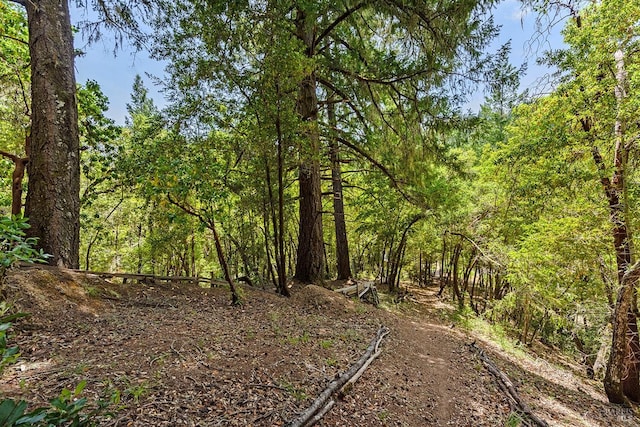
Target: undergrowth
{"points": [[68, 409], [468, 320]]}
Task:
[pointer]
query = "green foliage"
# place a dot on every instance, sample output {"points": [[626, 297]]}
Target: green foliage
{"points": [[538, 206], [99, 141], [14, 77], [15, 246], [514, 420], [68, 409], [8, 354]]}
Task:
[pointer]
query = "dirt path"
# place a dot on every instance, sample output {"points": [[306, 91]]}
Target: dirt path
{"points": [[181, 356]]}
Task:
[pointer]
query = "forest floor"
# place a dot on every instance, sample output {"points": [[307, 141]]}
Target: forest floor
{"points": [[182, 356]]}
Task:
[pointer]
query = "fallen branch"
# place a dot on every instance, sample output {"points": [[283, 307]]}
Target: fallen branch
{"points": [[507, 387], [322, 404], [367, 292]]}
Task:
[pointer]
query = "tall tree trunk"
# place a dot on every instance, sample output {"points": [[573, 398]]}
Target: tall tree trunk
{"points": [[19, 166], [235, 298], [278, 226], [53, 197], [342, 244], [394, 274], [282, 270], [619, 363], [622, 379], [454, 272], [310, 256]]}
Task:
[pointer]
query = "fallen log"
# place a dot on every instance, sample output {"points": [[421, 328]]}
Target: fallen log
{"points": [[507, 387], [366, 292], [323, 403], [349, 290]]}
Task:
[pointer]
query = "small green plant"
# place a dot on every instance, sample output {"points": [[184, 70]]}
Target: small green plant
{"points": [[361, 308], [514, 420], [81, 368], [92, 291], [325, 344], [137, 391], [274, 320], [15, 246], [297, 393], [8, 354], [350, 335], [383, 415], [68, 409], [302, 339], [331, 362]]}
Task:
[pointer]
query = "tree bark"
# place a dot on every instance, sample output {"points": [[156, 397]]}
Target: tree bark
{"points": [[617, 366], [342, 244], [310, 256], [278, 226], [53, 197], [397, 257], [622, 379], [235, 298], [19, 166]]}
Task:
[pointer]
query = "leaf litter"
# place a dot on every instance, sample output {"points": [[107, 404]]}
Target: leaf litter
{"points": [[180, 355]]}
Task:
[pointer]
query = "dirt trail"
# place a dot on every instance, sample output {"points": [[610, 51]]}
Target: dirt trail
{"points": [[181, 356]]}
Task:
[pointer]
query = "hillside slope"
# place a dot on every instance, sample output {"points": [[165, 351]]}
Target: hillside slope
{"points": [[182, 356]]}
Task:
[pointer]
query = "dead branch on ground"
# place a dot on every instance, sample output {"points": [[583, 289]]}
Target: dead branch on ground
{"points": [[507, 387], [343, 383]]}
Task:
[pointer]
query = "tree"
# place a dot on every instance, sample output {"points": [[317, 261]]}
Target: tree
{"points": [[590, 120], [15, 111], [342, 243], [381, 59], [53, 203], [602, 39]]}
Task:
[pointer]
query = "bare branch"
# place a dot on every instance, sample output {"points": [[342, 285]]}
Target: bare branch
{"points": [[189, 210], [394, 182], [326, 83], [487, 257], [392, 81], [15, 39], [341, 18], [12, 157]]}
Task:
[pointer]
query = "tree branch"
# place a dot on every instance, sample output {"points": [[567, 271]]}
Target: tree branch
{"points": [[380, 81], [394, 182], [507, 386], [322, 401], [12, 157], [15, 39], [476, 246], [346, 99], [335, 23], [188, 210]]}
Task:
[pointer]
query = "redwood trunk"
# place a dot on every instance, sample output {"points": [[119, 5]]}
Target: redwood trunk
{"points": [[310, 256], [53, 197], [342, 243]]}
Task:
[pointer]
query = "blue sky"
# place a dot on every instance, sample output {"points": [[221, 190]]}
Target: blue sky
{"points": [[115, 74]]}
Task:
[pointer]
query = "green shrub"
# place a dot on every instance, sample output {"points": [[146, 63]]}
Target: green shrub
{"points": [[65, 410], [8, 355], [15, 246]]}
